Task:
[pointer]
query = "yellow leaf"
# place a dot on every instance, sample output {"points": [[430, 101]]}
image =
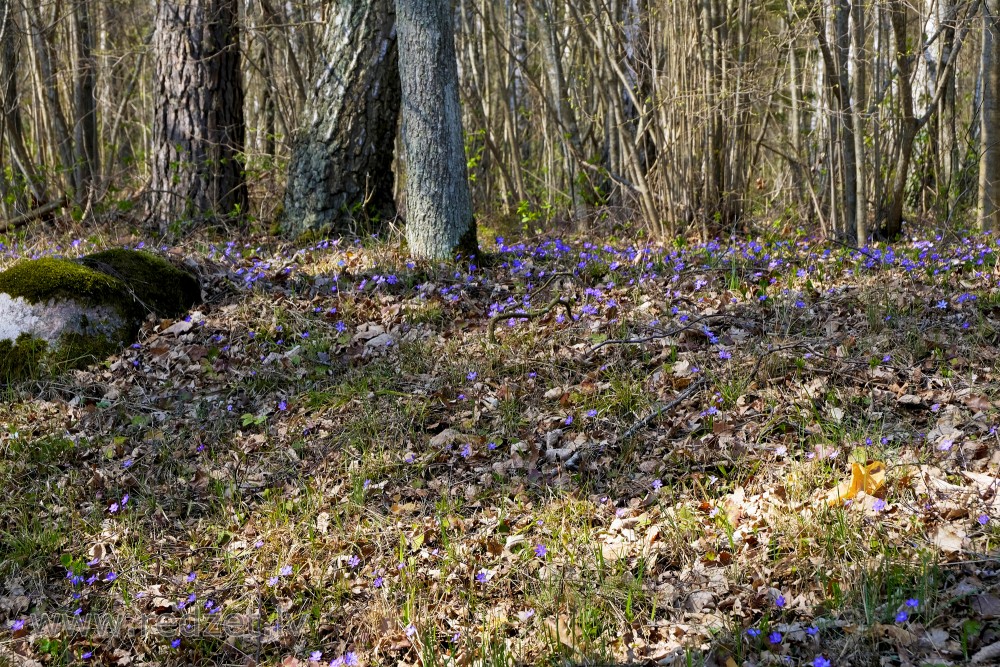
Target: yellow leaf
{"points": [[870, 479]]}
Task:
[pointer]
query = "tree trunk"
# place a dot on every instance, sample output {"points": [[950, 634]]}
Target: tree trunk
{"points": [[908, 123], [989, 137], [439, 218], [198, 127], [85, 146], [569, 130], [859, 97], [48, 85], [341, 167], [848, 147], [10, 112]]}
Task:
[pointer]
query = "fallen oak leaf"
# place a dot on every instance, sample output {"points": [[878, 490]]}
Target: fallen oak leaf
{"points": [[870, 479], [987, 654], [564, 631], [949, 537]]}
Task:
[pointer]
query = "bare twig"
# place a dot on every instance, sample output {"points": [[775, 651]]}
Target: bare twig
{"points": [[22, 220], [658, 334], [661, 408], [527, 315]]}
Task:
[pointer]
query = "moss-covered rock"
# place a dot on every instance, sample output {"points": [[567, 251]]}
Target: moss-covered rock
{"points": [[157, 285], [61, 312]]}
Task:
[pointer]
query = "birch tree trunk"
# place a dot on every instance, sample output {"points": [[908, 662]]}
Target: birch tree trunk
{"points": [[439, 219], [989, 136], [198, 112], [341, 167]]}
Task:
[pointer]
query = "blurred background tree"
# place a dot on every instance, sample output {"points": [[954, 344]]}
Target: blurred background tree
{"points": [[838, 117]]}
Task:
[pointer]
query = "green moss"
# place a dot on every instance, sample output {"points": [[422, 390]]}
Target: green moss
{"points": [[27, 356], [76, 350], [131, 283], [156, 283], [41, 280], [20, 359]]}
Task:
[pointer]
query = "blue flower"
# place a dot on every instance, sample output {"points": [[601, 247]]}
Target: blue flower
{"points": [[753, 632], [820, 661], [901, 617], [774, 637], [540, 550]]}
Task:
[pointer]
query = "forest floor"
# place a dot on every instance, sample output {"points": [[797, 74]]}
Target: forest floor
{"points": [[727, 454]]}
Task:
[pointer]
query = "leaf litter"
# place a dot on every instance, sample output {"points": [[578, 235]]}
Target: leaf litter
{"points": [[737, 454]]}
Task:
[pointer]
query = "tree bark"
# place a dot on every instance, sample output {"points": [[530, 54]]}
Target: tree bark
{"points": [[86, 161], [859, 96], [908, 122], [11, 126], [989, 136], [439, 219], [198, 127], [569, 131], [848, 146], [341, 167]]}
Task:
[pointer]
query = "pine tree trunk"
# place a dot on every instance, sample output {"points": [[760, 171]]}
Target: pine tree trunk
{"points": [[198, 127], [341, 167], [439, 219], [989, 161]]}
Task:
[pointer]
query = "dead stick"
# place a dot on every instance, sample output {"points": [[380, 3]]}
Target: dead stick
{"points": [[22, 220], [526, 315], [660, 409]]}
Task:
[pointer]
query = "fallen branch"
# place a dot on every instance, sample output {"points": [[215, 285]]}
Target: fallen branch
{"points": [[661, 408], [659, 334], [24, 219], [527, 315]]}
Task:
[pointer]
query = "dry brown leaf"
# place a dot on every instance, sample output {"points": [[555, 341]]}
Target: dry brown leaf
{"points": [[614, 552], [987, 654], [986, 605], [564, 631], [949, 537], [870, 479], [900, 635]]}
